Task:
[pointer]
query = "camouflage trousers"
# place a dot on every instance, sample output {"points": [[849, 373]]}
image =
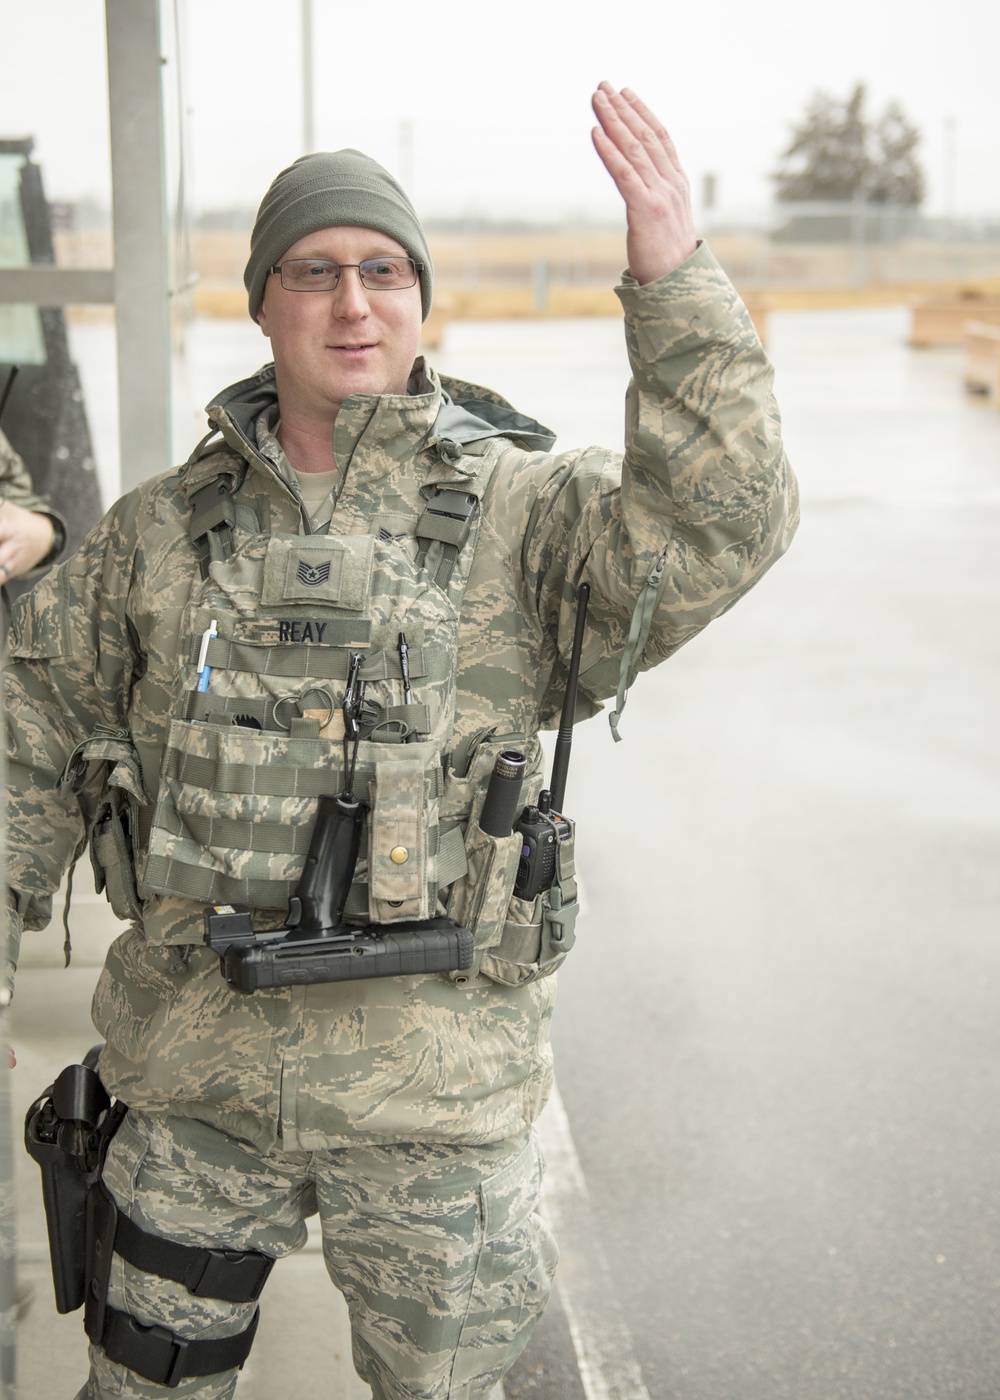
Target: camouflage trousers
{"points": [[438, 1250]]}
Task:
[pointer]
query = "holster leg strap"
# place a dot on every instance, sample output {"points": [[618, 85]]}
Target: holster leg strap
{"points": [[234, 1275], [159, 1355]]}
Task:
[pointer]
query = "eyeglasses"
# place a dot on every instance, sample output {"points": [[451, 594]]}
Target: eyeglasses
{"points": [[322, 275]]}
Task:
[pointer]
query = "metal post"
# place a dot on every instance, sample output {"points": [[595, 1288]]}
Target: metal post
{"points": [[308, 105], [949, 175], [859, 236], [139, 204], [539, 284], [405, 171]]}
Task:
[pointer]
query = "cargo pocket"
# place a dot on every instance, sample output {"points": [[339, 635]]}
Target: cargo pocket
{"points": [[517, 1260]]}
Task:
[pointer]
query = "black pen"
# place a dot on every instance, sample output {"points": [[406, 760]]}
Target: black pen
{"points": [[404, 666], [353, 696]]}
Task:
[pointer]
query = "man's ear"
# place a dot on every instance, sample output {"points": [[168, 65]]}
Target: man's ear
{"points": [[262, 317]]}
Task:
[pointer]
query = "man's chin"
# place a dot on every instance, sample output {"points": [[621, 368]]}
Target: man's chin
{"points": [[377, 384]]}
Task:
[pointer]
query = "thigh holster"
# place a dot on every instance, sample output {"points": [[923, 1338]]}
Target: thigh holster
{"points": [[158, 1354]]}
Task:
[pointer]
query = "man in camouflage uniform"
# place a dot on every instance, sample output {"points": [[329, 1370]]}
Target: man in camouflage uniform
{"points": [[182, 676]]}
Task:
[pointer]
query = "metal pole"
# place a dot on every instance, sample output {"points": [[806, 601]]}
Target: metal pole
{"points": [[308, 106], [139, 205], [859, 235], [406, 178], [949, 173]]}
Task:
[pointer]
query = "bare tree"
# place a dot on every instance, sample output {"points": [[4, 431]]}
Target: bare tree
{"points": [[897, 177], [836, 153]]}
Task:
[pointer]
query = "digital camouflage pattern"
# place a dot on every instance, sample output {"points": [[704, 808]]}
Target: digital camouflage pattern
{"points": [[105, 650], [443, 1294]]}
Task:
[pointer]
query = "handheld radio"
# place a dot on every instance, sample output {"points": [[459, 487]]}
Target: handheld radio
{"points": [[544, 825]]}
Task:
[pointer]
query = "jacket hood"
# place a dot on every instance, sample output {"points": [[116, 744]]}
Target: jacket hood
{"points": [[467, 412]]}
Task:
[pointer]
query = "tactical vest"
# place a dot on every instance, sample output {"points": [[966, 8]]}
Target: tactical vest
{"points": [[256, 732]]}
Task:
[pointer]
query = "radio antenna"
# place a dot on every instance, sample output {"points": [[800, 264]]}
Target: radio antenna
{"points": [[564, 739]]}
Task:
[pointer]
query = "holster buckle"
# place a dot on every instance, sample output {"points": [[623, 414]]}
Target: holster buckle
{"points": [[234, 1275], [153, 1352]]}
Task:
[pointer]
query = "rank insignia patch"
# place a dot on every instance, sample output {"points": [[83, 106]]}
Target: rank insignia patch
{"points": [[313, 574]]}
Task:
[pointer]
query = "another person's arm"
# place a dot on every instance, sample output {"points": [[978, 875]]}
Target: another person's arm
{"points": [[72, 657], [31, 533]]}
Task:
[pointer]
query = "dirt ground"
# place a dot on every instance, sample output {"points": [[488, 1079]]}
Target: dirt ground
{"points": [[487, 274]]}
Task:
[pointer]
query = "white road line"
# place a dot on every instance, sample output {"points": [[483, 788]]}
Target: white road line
{"points": [[601, 1338]]}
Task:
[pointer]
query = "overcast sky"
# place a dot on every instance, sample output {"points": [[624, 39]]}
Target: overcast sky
{"points": [[497, 97]]}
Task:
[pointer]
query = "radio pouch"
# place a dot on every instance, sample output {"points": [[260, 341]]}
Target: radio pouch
{"points": [[538, 933], [112, 854]]}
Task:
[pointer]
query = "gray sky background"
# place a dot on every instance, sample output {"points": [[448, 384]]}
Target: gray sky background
{"points": [[497, 97]]}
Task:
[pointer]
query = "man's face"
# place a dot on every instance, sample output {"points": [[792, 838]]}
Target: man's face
{"points": [[327, 345]]}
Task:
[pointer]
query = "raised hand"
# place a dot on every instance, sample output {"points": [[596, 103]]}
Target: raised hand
{"points": [[640, 157]]}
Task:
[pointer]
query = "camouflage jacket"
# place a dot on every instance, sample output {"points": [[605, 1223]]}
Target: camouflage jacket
{"points": [[701, 505]]}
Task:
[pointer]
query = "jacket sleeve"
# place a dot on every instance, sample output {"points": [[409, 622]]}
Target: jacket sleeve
{"points": [[16, 487], [71, 661], [702, 503]]}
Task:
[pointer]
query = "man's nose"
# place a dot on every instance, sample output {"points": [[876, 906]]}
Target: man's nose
{"points": [[350, 298]]}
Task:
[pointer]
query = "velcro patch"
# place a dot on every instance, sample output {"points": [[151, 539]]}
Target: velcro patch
{"points": [[318, 569]]}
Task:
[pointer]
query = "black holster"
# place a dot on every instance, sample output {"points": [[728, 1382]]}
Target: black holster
{"points": [[67, 1131]]}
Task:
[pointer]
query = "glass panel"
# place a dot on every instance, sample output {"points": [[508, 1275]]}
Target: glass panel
{"points": [[21, 338]]}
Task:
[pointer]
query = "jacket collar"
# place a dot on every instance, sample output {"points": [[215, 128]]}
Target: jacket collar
{"points": [[442, 414]]}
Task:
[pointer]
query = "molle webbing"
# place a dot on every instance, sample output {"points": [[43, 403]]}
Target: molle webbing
{"points": [[213, 515], [396, 721], [276, 838], [210, 886], [227, 709], [447, 520], [320, 663], [389, 726], [447, 862], [349, 632], [302, 778]]}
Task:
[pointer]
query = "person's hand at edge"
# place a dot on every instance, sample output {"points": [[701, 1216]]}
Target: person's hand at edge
{"points": [[26, 538]]}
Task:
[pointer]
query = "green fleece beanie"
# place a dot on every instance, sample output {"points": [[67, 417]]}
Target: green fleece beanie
{"points": [[332, 189]]}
